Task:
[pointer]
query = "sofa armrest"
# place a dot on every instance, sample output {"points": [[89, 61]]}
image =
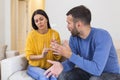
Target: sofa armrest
{"points": [[11, 53], [12, 65]]}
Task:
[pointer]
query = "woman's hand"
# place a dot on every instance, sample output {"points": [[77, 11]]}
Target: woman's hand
{"points": [[38, 57], [44, 52]]}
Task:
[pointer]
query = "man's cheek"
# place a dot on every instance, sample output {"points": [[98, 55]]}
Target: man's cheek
{"points": [[69, 28]]}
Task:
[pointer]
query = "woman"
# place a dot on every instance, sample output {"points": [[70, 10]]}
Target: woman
{"points": [[38, 46]]}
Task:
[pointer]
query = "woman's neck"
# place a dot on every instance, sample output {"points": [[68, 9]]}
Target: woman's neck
{"points": [[42, 31]]}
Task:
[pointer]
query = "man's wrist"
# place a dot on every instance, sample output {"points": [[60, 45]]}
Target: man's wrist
{"points": [[69, 55]]}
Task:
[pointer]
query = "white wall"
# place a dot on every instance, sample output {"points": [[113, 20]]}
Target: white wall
{"points": [[7, 16], [105, 14], [2, 29], [5, 23]]}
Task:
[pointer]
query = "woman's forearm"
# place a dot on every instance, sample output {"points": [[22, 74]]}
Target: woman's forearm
{"points": [[36, 57]]}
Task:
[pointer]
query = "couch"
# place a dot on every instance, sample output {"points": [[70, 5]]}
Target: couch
{"points": [[9, 54], [5, 54], [15, 68]]}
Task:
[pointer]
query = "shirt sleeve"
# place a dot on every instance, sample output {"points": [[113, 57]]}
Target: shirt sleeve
{"points": [[29, 47], [67, 65], [95, 66]]}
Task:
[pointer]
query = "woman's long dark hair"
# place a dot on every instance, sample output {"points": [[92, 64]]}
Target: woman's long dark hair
{"points": [[41, 12]]}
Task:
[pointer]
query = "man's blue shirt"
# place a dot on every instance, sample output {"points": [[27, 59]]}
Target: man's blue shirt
{"points": [[95, 54]]}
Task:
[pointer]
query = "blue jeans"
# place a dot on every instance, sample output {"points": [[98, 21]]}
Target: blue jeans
{"points": [[37, 73]]}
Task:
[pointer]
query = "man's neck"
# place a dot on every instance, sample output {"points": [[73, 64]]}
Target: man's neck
{"points": [[85, 32]]}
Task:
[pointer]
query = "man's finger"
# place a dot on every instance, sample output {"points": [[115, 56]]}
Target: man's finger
{"points": [[47, 71], [49, 74], [54, 45], [56, 53], [66, 43], [55, 75], [55, 50], [52, 62]]}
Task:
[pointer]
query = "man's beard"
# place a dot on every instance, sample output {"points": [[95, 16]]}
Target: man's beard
{"points": [[74, 32]]}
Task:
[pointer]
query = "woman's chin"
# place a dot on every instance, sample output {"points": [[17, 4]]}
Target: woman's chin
{"points": [[41, 28]]}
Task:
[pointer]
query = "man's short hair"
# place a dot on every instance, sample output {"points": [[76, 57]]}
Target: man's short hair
{"points": [[80, 13]]}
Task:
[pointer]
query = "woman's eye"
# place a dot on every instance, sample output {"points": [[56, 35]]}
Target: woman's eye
{"points": [[36, 21], [41, 19]]}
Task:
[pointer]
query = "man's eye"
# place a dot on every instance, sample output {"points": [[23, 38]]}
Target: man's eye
{"points": [[68, 23]]}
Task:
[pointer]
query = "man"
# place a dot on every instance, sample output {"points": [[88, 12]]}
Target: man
{"points": [[90, 54]]}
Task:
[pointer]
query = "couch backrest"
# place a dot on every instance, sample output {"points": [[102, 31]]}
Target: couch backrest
{"points": [[117, 47]]}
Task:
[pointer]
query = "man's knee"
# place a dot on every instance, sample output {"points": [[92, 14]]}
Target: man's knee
{"points": [[62, 76], [95, 78], [74, 74], [106, 76]]}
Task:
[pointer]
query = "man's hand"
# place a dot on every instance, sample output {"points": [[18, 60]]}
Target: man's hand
{"points": [[63, 50], [54, 70]]}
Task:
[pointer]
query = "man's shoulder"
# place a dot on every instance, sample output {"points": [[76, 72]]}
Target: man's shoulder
{"points": [[100, 31], [101, 34]]}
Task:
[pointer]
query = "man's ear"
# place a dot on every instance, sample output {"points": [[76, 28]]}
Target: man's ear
{"points": [[79, 24]]}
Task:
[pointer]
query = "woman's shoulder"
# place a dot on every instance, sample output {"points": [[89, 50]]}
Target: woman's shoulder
{"points": [[32, 32], [54, 31]]}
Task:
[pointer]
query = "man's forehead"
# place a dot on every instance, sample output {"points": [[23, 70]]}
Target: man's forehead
{"points": [[70, 18]]}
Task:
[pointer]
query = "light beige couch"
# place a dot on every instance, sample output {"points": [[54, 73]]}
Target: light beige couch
{"points": [[15, 68], [8, 54]]}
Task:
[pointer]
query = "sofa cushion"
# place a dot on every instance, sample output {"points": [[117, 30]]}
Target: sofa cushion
{"points": [[20, 75], [11, 53], [118, 54], [2, 54], [2, 51]]}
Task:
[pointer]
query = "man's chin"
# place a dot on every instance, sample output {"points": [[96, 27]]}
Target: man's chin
{"points": [[74, 35]]}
